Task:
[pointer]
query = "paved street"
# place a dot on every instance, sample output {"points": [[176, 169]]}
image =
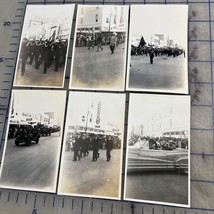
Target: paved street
{"points": [[84, 177], [158, 186], [32, 166], [101, 69], [36, 77], [163, 74]]}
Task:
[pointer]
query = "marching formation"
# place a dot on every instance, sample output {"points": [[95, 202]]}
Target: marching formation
{"points": [[82, 143], [153, 51], [44, 52]]}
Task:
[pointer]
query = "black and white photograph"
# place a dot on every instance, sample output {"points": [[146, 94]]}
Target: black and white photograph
{"points": [[91, 164], [158, 150], [33, 142], [44, 46], [157, 56], [100, 44]]}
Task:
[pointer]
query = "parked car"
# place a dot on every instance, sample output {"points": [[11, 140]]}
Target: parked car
{"points": [[45, 131], [27, 134], [141, 157]]}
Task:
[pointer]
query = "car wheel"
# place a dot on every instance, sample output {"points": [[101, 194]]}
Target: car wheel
{"points": [[28, 142], [16, 142]]}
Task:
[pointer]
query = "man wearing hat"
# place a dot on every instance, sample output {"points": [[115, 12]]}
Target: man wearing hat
{"points": [[113, 42], [76, 147], [109, 147], [95, 147]]}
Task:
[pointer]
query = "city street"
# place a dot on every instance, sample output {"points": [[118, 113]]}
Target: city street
{"points": [[36, 77], [101, 69], [163, 74], [85, 177], [34, 166], [158, 186]]}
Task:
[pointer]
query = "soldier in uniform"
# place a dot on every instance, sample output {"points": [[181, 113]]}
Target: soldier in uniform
{"points": [[24, 55], [99, 41], [109, 147], [76, 147], [95, 148], [113, 41], [151, 55]]}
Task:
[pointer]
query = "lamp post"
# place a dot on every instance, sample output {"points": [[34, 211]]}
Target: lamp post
{"points": [[89, 114]]}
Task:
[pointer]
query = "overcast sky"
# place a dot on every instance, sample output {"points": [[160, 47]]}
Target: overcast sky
{"points": [[40, 101], [112, 107], [52, 12], [143, 105], [170, 20]]}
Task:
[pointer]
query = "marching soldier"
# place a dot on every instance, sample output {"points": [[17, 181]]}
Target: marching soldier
{"points": [[95, 147], [109, 147], [76, 147]]}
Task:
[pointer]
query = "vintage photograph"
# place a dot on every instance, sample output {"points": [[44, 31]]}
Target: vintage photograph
{"points": [[44, 46], [158, 154], [91, 164], [33, 143], [100, 43], [158, 49]]}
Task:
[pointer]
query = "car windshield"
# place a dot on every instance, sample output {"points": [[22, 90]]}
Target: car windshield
{"points": [[142, 144]]}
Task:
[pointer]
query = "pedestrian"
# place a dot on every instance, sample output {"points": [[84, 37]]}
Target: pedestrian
{"points": [[95, 148], [91, 39], [76, 147], [109, 147], [99, 41], [84, 146], [113, 41], [151, 55]]}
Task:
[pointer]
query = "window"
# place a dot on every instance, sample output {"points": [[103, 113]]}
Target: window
{"points": [[122, 15], [81, 21], [96, 17], [115, 17], [170, 122]]}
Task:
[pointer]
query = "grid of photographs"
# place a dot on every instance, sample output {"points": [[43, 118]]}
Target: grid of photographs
{"points": [[91, 162], [158, 154], [86, 158], [44, 46], [99, 52]]}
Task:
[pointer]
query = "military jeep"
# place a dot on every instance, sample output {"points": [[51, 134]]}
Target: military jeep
{"points": [[27, 134]]}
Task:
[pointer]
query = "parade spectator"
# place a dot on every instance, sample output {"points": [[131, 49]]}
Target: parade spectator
{"points": [[109, 147], [113, 41], [99, 41]]}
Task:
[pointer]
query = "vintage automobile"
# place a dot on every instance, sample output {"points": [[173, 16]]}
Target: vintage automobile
{"points": [[27, 134], [45, 131], [141, 157]]}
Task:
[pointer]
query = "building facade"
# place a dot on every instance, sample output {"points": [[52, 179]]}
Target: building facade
{"points": [[93, 121], [102, 18], [168, 122]]}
